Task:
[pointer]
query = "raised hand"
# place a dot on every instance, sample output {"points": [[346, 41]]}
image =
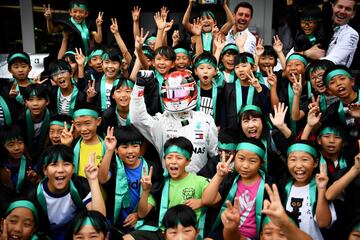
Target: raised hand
{"points": [[278, 119], [297, 86], [164, 12], [240, 40], [354, 110], [314, 116], [176, 37], [5, 177], [223, 167], [277, 45], [114, 28], [259, 50], [196, 27], [136, 13], [91, 93], [230, 217], [91, 170], [160, 22], [168, 25], [99, 19], [274, 208], [215, 30], [254, 81], [4, 230], [131, 220], [66, 136], [314, 103], [37, 79], [13, 92], [145, 181], [32, 176], [110, 140], [219, 41], [272, 79], [193, 203], [139, 40], [47, 11], [322, 178], [79, 56]]}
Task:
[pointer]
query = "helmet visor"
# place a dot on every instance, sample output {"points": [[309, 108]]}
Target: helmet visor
{"points": [[177, 92]]}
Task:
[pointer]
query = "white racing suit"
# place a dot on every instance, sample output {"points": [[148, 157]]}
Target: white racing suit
{"points": [[198, 127]]}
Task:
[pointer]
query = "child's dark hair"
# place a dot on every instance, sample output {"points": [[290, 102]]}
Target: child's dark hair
{"points": [[315, 65], [37, 90], [167, 52], [205, 57], [148, 52], [228, 135], [127, 134], [59, 65], [78, 2], [269, 51], [310, 12], [118, 84], [8, 133], [179, 214], [18, 56], [254, 113], [95, 218], [57, 152], [181, 142], [61, 118], [244, 57], [69, 56], [113, 54], [244, 5]]}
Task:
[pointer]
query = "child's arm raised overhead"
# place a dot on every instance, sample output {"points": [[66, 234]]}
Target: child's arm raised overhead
{"points": [[272, 80], [186, 19], [98, 33], [139, 41], [97, 202], [211, 195], [110, 143], [144, 207], [196, 30], [323, 213], [219, 43], [114, 28], [278, 120], [278, 47], [135, 13], [313, 119], [259, 50], [64, 45], [338, 186], [164, 13], [230, 19], [48, 16], [80, 60]]}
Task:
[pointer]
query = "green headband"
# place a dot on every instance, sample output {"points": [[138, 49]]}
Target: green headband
{"points": [[70, 53], [334, 73], [227, 146], [205, 60], [330, 130], [19, 55], [148, 53], [207, 13], [126, 82], [252, 148], [85, 112], [177, 149], [47, 160], [250, 60], [149, 39], [297, 57], [77, 5], [302, 147], [25, 204], [97, 52], [59, 123], [230, 47], [87, 222], [182, 50], [357, 227], [249, 108]]}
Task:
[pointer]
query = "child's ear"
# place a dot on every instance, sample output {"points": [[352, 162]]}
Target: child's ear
{"points": [[98, 121], [318, 140], [30, 67], [195, 71], [352, 80], [316, 163], [44, 171]]}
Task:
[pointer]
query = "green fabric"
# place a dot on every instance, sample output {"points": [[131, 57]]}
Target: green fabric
{"points": [[302, 147], [43, 128], [297, 57], [18, 55], [334, 73], [252, 148], [73, 97], [24, 204], [239, 98], [85, 112], [250, 108], [84, 31], [7, 115], [177, 149]]}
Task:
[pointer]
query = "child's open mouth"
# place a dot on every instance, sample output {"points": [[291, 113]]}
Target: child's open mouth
{"points": [[299, 175], [252, 132]]}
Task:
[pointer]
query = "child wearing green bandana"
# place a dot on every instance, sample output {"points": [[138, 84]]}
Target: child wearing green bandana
{"points": [[180, 187], [183, 57], [304, 192], [209, 94], [227, 61], [62, 194], [121, 177], [84, 33], [246, 181], [56, 126], [93, 67]]}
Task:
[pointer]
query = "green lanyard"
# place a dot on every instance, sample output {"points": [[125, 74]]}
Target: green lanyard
{"points": [[323, 105], [160, 79], [312, 193], [103, 92], [72, 100], [43, 128], [213, 96], [206, 41], [312, 39], [258, 202], [291, 100], [73, 193], [77, 153], [6, 111], [342, 162], [341, 109], [85, 36], [21, 175], [19, 98], [249, 99], [118, 118], [265, 164]]}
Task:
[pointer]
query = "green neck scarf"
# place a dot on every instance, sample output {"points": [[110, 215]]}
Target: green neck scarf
{"points": [[73, 192], [160, 79], [206, 41], [213, 95], [249, 99], [85, 36], [342, 162], [77, 153], [21, 175], [323, 105], [72, 100], [43, 128], [258, 202], [19, 98], [103, 92], [311, 38], [118, 118], [5, 108]]}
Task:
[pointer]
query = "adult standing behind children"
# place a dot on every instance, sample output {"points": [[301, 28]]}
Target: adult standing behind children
{"points": [[243, 14]]}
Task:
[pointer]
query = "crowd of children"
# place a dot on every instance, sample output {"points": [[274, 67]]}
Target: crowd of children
{"points": [[215, 137]]}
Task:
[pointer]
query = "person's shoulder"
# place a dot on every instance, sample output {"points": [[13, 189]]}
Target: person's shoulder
{"points": [[351, 30], [250, 35]]}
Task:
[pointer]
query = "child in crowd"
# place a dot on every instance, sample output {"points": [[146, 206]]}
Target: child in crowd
{"points": [[227, 61], [82, 34], [304, 192], [88, 224], [65, 95], [122, 179], [247, 182], [245, 90], [62, 189], [56, 127], [180, 186], [209, 96], [35, 121], [183, 57], [93, 68]]}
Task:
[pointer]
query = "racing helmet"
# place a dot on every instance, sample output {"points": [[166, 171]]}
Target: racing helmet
{"points": [[179, 91]]}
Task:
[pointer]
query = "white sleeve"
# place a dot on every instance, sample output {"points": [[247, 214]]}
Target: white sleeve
{"points": [[250, 44], [213, 139], [333, 214], [148, 126]]}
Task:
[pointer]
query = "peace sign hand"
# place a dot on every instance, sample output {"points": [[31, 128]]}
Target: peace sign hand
{"points": [[145, 181], [139, 40], [223, 167], [277, 45], [322, 178], [254, 82], [91, 93], [259, 50], [274, 208], [66, 136], [314, 116], [314, 103], [99, 19], [110, 140], [47, 12], [272, 79], [91, 170], [114, 28], [79, 57], [13, 92], [297, 86], [231, 216]]}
